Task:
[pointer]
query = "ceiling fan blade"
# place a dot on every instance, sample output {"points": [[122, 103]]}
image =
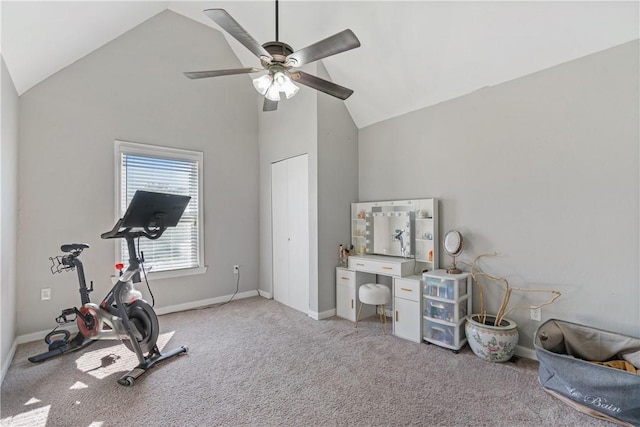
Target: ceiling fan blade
{"points": [[343, 41], [322, 85], [269, 105], [231, 26], [217, 73]]}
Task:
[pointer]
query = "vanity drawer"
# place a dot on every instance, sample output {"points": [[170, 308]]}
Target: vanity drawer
{"points": [[407, 289], [346, 278], [389, 269], [375, 266]]}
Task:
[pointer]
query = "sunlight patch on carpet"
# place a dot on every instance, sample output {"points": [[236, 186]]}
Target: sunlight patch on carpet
{"points": [[163, 339], [32, 401], [78, 386], [102, 362], [34, 418]]}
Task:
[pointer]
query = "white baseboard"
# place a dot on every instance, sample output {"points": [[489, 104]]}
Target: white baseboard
{"points": [[7, 361], [37, 336], [525, 352], [324, 315], [202, 303], [265, 294]]}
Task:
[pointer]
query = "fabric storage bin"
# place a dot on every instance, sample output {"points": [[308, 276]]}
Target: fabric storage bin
{"points": [[571, 369]]}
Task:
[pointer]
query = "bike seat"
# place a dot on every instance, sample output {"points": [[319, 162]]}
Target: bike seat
{"points": [[73, 247]]}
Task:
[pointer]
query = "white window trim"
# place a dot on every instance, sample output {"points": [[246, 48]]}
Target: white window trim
{"points": [[170, 153]]}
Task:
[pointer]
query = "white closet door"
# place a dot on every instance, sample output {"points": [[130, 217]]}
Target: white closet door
{"points": [[290, 227], [299, 233], [280, 231]]}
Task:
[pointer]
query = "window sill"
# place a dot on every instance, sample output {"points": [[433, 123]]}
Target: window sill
{"points": [[155, 275], [169, 274]]}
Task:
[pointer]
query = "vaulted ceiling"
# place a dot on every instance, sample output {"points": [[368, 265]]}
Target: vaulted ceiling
{"points": [[414, 54]]}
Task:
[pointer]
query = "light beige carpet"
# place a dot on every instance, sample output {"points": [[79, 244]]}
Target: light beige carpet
{"points": [[257, 362]]}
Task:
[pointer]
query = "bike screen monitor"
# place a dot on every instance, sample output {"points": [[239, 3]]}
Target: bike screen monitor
{"points": [[154, 210]]}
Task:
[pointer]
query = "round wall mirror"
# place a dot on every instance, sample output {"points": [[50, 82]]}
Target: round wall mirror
{"points": [[453, 245]]}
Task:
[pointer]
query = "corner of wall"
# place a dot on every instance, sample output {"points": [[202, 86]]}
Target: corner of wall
{"points": [[8, 215], [338, 187]]}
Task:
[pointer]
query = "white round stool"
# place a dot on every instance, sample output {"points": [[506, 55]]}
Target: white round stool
{"points": [[378, 295]]}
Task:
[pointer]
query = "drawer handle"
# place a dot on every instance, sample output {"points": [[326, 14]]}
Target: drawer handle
{"points": [[351, 303], [406, 289], [387, 268], [344, 278], [396, 315], [361, 265]]}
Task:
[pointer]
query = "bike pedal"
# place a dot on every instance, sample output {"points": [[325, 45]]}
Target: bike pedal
{"points": [[62, 319], [68, 311]]}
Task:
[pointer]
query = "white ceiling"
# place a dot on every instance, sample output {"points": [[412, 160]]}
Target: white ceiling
{"points": [[413, 54]]}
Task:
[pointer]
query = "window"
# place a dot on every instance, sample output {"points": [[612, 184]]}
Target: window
{"points": [[164, 170]]}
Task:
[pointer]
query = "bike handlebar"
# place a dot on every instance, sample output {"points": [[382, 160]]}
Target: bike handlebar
{"points": [[126, 233]]}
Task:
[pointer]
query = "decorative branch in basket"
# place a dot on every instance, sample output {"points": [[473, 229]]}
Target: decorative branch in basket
{"points": [[477, 275]]}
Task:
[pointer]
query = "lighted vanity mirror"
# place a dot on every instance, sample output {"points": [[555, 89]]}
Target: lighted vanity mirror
{"points": [[399, 228], [392, 233]]}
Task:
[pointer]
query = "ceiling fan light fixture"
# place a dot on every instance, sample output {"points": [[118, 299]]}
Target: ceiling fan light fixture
{"points": [[290, 90], [263, 83], [273, 94], [285, 84], [279, 78]]}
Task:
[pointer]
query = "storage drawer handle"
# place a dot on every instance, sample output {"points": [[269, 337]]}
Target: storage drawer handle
{"points": [[351, 303], [344, 278], [361, 265], [406, 289], [396, 315], [387, 268]]}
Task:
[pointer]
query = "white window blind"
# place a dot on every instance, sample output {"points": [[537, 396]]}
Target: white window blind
{"points": [[162, 170]]}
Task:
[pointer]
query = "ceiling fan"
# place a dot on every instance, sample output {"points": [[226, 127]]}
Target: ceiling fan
{"points": [[279, 60]]}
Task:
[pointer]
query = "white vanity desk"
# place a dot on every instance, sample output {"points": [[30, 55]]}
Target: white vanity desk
{"points": [[388, 239], [405, 291]]}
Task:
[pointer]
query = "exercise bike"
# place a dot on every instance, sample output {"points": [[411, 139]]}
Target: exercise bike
{"points": [[122, 314]]}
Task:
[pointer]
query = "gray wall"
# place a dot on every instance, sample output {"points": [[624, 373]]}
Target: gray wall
{"points": [[337, 188], [133, 89], [8, 217], [544, 170]]}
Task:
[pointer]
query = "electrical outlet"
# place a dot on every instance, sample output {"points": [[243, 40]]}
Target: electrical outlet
{"points": [[535, 314], [45, 294], [236, 269]]}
